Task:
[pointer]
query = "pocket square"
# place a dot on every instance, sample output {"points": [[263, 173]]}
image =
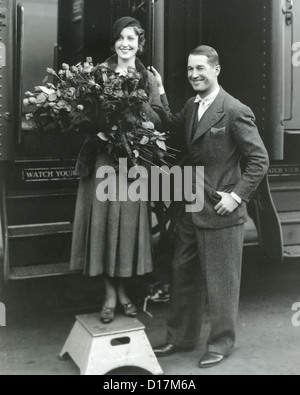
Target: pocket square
{"points": [[218, 130]]}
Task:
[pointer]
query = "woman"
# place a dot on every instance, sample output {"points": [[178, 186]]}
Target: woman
{"points": [[114, 238]]}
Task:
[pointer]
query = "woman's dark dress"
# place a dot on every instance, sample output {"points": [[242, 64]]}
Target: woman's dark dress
{"points": [[114, 238]]}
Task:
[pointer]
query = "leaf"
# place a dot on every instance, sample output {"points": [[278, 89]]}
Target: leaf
{"points": [[162, 145], [103, 136], [160, 154], [45, 80], [148, 125], [46, 90], [136, 153], [52, 97]]}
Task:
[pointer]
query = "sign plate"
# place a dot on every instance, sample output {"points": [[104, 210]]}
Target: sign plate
{"points": [[49, 174], [293, 170]]}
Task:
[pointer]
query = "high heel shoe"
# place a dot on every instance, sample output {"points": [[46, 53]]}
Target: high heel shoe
{"points": [[130, 310], [107, 315]]}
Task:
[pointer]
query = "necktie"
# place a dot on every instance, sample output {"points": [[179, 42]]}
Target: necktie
{"points": [[202, 107]]}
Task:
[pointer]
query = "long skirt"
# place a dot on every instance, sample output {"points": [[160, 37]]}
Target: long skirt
{"points": [[112, 238]]}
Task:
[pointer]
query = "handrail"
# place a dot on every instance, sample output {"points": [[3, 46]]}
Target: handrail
{"points": [[287, 10], [19, 69]]}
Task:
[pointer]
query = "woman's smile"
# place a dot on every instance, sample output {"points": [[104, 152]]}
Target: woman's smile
{"points": [[127, 44]]}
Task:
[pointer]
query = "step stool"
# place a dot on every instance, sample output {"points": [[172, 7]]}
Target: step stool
{"points": [[97, 349]]}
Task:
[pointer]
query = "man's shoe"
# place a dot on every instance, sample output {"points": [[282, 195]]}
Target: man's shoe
{"points": [[210, 360], [169, 349]]}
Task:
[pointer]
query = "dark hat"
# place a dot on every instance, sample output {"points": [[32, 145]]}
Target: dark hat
{"points": [[121, 24]]}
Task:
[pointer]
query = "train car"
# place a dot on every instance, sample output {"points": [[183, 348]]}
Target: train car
{"points": [[259, 46]]}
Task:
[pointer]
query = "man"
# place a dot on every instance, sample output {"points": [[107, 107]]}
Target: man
{"points": [[219, 132]]}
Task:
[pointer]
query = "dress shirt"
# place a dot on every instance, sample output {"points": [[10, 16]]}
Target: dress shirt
{"points": [[205, 103]]}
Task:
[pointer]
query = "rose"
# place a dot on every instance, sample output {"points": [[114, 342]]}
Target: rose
{"points": [[87, 68], [91, 83], [32, 100], [70, 92], [50, 71], [28, 116], [104, 67], [29, 94], [108, 91], [41, 98], [74, 69]]}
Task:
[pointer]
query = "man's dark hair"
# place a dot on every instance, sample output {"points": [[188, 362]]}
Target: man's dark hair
{"points": [[209, 52]]}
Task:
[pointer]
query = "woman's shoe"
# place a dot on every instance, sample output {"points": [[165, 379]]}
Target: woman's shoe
{"points": [[130, 310], [107, 315]]}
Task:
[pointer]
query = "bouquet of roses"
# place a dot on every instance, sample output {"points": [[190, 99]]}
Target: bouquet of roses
{"points": [[111, 103]]}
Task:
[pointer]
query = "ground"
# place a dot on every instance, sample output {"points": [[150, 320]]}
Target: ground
{"points": [[40, 315]]}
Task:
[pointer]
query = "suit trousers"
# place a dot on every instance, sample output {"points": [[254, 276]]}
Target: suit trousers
{"points": [[206, 268]]}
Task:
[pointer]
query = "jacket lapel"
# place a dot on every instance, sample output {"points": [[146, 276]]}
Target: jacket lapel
{"points": [[211, 117]]}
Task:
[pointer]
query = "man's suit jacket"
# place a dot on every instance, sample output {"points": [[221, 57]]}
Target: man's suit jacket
{"points": [[225, 135]]}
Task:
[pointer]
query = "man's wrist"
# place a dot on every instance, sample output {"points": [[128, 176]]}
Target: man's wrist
{"points": [[236, 197]]}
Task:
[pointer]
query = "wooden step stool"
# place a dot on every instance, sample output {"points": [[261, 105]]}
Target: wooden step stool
{"points": [[97, 349]]}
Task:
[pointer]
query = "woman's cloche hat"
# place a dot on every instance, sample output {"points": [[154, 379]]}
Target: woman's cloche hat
{"points": [[121, 24]]}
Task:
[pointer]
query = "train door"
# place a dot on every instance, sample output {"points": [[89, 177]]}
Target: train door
{"points": [[285, 174], [38, 185]]}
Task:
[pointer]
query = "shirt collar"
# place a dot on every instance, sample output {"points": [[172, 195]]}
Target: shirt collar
{"points": [[210, 98]]}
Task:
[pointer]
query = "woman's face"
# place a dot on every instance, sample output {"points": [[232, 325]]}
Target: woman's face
{"points": [[127, 45]]}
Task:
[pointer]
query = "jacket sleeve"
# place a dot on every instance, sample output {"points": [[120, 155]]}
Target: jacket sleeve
{"points": [[253, 150], [176, 123], [155, 110]]}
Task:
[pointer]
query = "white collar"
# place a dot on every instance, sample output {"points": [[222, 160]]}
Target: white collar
{"points": [[210, 98]]}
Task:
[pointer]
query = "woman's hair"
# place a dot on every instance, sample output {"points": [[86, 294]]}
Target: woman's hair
{"points": [[142, 40]]}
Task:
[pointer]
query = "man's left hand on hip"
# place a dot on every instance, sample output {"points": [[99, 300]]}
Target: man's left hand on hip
{"points": [[227, 205]]}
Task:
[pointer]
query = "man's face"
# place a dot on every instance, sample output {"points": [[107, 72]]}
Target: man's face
{"points": [[202, 75]]}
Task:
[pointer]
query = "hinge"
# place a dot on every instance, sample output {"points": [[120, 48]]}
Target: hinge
{"points": [[287, 10], [3, 16]]}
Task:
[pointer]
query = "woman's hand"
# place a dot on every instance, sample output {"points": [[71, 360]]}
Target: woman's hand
{"points": [[157, 76]]}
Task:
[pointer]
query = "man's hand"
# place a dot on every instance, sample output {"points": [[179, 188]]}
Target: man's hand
{"points": [[227, 205], [157, 77]]}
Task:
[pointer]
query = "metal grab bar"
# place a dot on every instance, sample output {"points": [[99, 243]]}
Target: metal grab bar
{"points": [[287, 10], [19, 70]]}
